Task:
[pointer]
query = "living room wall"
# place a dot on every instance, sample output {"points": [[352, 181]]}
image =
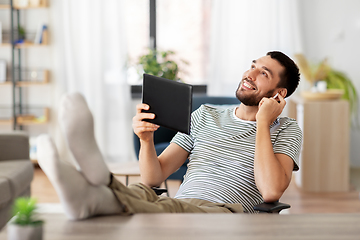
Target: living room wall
{"points": [[331, 29]]}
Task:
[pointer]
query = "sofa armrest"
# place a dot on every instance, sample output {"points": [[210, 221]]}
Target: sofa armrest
{"points": [[14, 145]]}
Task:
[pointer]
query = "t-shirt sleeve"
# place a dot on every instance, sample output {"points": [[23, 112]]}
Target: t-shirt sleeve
{"points": [[187, 141], [289, 142]]}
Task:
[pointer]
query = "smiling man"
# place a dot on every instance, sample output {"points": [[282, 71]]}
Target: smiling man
{"points": [[238, 156]]}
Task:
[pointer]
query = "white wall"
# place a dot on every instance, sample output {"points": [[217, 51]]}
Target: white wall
{"points": [[331, 28]]}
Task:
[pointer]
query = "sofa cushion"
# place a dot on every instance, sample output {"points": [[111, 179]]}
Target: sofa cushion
{"points": [[19, 173], [5, 192]]}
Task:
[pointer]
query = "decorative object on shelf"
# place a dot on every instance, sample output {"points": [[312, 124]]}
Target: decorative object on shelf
{"points": [[41, 36], [159, 63], [25, 225], [334, 79], [20, 35]]}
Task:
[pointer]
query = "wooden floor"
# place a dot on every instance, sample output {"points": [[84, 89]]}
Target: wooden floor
{"points": [[301, 202]]}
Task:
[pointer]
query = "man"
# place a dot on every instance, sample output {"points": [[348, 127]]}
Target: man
{"points": [[239, 156]]}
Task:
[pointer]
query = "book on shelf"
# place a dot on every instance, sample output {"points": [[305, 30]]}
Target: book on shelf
{"points": [[39, 36]]}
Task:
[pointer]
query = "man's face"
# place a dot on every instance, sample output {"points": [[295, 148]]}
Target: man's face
{"points": [[259, 81]]}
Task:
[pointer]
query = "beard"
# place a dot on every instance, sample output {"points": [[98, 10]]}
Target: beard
{"points": [[251, 99]]}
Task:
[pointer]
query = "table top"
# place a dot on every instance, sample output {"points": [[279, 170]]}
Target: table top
{"points": [[124, 168], [204, 226]]}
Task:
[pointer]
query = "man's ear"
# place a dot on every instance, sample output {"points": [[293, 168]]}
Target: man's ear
{"points": [[283, 92]]}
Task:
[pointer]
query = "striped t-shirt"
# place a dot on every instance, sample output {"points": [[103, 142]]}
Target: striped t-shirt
{"points": [[221, 155]]}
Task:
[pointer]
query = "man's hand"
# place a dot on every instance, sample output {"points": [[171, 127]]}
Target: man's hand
{"points": [[144, 130], [270, 109]]}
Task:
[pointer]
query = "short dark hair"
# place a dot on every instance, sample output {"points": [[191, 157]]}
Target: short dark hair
{"points": [[290, 77]]}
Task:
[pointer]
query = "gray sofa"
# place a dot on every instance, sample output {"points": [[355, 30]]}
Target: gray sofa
{"points": [[16, 171]]}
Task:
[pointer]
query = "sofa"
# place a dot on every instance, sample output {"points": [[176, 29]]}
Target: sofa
{"points": [[16, 171]]}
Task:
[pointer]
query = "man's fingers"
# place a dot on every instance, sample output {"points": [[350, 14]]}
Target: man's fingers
{"points": [[282, 100], [142, 106], [142, 116], [262, 101], [144, 126]]}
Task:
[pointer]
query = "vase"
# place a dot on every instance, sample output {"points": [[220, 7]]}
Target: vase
{"points": [[19, 232]]}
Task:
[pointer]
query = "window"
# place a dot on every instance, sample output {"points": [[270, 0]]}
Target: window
{"points": [[182, 26], [137, 34]]}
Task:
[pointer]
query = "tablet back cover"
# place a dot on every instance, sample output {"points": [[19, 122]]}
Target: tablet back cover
{"points": [[170, 101]]}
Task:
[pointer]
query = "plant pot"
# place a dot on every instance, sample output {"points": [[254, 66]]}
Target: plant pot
{"points": [[18, 232]]}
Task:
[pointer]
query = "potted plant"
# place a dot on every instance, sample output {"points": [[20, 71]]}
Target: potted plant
{"points": [[159, 63], [334, 80], [25, 224]]}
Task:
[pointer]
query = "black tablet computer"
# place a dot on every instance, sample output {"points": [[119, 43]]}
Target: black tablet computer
{"points": [[169, 100]]}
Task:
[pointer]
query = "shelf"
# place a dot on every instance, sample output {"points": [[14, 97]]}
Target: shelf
{"points": [[29, 119], [33, 120], [43, 4], [5, 45], [24, 45], [5, 121], [30, 7], [5, 83], [24, 83], [29, 44]]}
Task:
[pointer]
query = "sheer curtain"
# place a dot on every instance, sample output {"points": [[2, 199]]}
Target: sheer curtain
{"points": [[244, 30], [90, 53]]}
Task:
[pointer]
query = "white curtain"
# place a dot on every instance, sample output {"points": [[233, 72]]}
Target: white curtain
{"points": [[90, 53], [244, 30]]}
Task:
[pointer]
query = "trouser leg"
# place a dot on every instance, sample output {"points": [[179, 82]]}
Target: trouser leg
{"points": [[138, 198]]}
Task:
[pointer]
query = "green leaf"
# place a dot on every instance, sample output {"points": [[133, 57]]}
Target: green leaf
{"points": [[338, 80], [24, 211]]}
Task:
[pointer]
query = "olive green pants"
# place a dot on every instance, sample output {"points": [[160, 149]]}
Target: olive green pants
{"points": [[138, 198]]}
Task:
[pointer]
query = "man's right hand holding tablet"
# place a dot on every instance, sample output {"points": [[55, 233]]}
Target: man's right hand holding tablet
{"points": [[144, 130]]}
